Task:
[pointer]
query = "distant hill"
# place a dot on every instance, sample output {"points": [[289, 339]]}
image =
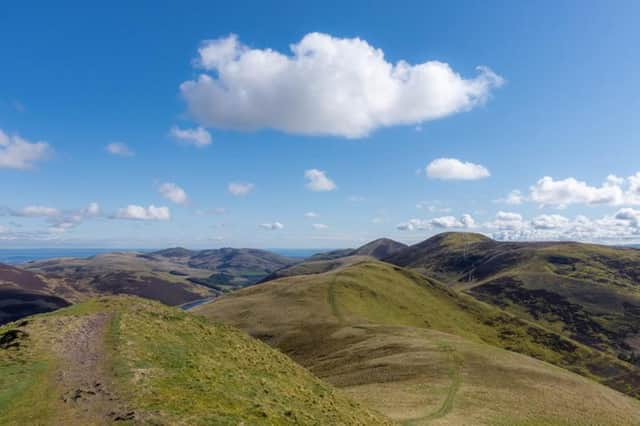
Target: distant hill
{"points": [[24, 293], [323, 262], [132, 361], [377, 249], [588, 292], [173, 276], [123, 273], [418, 352]]}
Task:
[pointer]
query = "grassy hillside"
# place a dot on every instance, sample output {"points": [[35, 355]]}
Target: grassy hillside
{"points": [[229, 268], [324, 262], [588, 292], [421, 353], [124, 359]]}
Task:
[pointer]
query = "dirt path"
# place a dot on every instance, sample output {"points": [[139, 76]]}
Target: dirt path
{"points": [[85, 385], [447, 405]]}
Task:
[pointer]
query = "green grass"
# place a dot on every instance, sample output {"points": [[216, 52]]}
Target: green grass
{"points": [[421, 353], [170, 367]]}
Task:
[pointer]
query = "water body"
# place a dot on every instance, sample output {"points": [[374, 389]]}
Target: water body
{"points": [[298, 253], [18, 256]]}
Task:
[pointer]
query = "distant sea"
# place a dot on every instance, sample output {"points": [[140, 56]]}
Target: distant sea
{"points": [[18, 256], [298, 253]]}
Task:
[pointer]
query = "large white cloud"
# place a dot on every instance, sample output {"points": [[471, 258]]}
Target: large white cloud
{"points": [[173, 192], [198, 137], [454, 169], [619, 227], [19, 153], [561, 193], [328, 85], [317, 180], [135, 212]]}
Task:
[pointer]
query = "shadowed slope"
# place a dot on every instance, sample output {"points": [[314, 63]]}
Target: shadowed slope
{"points": [[420, 353], [127, 359], [24, 293], [588, 292]]}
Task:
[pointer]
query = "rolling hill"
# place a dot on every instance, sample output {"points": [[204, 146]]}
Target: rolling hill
{"points": [[173, 276], [323, 262], [377, 249], [420, 353], [590, 293], [132, 361]]}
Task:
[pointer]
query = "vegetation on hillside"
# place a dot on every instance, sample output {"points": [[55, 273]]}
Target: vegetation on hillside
{"points": [[130, 360], [421, 353], [587, 292]]}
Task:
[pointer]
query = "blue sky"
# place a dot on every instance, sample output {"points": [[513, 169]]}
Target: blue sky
{"points": [[554, 116]]}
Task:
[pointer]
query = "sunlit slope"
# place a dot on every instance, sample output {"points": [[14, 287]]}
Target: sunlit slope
{"points": [[132, 361], [420, 353], [588, 292]]}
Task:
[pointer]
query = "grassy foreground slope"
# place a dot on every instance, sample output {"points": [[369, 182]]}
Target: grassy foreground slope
{"points": [[422, 354], [124, 359], [588, 292]]}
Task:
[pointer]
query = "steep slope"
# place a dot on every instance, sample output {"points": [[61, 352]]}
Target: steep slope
{"points": [[588, 292], [24, 293], [380, 248], [421, 354], [124, 359]]}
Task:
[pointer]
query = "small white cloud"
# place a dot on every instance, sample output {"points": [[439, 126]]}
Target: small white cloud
{"points": [[135, 212], [514, 198], [317, 180], [549, 221], [413, 224], [272, 226], [120, 149], [356, 199], [173, 192], [92, 210], [311, 215], [629, 215], [239, 188], [454, 169], [36, 211], [377, 220], [319, 226], [19, 153], [213, 211], [465, 221], [507, 221], [198, 137], [432, 207], [326, 86]]}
